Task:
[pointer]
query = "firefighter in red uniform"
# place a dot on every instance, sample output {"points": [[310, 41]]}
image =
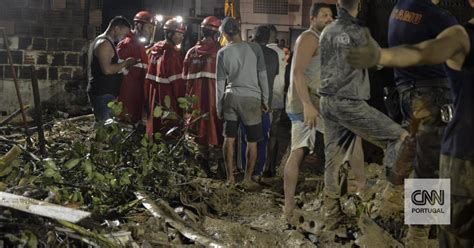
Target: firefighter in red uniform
{"points": [[132, 92], [199, 69], [164, 77]]}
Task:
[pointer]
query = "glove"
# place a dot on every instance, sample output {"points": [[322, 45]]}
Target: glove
{"points": [[365, 56]]}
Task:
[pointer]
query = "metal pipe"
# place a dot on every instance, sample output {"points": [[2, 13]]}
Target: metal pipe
{"points": [[38, 110]]}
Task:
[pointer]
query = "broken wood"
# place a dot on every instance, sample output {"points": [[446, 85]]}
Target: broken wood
{"points": [[13, 115], [38, 111], [41, 208], [10, 156], [161, 209], [31, 155]]}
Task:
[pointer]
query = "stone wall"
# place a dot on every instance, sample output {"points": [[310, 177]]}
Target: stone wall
{"points": [[50, 35]]}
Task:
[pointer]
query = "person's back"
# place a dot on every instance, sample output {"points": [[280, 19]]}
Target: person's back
{"points": [[239, 62], [414, 21], [272, 66], [338, 78]]}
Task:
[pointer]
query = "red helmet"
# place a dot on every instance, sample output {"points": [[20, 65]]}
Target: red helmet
{"points": [[174, 25], [144, 17], [211, 22]]}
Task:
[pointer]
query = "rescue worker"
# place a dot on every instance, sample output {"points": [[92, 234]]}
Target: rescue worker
{"points": [[104, 67], [164, 78], [427, 83], [199, 71], [132, 94], [344, 92], [455, 47]]}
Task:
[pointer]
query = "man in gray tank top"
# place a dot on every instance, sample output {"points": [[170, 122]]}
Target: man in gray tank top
{"points": [[303, 106]]}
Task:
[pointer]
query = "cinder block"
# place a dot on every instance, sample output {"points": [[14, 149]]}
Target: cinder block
{"points": [[65, 73], [72, 59], [25, 43], [39, 43], [25, 72], [58, 59], [53, 73]]}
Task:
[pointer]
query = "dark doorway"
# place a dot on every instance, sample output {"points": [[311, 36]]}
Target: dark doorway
{"points": [[124, 8]]}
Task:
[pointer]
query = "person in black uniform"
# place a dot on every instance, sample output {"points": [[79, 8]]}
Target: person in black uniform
{"points": [[105, 66], [411, 22], [454, 47]]}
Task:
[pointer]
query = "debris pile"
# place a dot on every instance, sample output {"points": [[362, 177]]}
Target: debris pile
{"points": [[113, 187]]}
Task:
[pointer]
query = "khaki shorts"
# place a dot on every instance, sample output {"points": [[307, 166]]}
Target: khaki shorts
{"points": [[242, 108]]}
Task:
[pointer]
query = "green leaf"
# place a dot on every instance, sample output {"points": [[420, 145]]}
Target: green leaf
{"points": [[87, 167], [157, 136], [168, 101], [125, 179], [194, 99], [32, 239], [99, 177], [170, 115], [110, 104], [195, 112], [72, 163], [49, 164], [144, 141], [183, 105], [50, 172], [182, 100], [157, 112]]}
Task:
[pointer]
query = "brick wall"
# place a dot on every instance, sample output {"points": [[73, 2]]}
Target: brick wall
{"points": [[52, 36]]}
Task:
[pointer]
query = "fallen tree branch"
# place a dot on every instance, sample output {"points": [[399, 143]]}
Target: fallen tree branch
{"points": [[103, 241], [161, 209]]}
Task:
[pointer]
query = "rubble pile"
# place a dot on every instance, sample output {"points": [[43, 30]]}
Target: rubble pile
{"points": [[113, 187]]}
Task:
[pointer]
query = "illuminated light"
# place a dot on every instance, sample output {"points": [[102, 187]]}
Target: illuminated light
{"points": [[179, 19], [142, 39], [179, 46], [159, 18]]}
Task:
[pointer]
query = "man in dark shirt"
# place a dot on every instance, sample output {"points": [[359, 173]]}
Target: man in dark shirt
{"points": [[454, 47], [104, 68], [411, 22], [262, 36]]}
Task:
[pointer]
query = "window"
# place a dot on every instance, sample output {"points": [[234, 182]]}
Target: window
{"points": [[276, 7]]}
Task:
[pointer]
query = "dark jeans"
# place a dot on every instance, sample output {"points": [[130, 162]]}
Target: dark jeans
{"points": [[430, 133], [99, 106]]}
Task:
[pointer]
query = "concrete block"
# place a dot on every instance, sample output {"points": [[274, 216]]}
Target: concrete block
{"points": [[53, 73], [39, 43]]}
